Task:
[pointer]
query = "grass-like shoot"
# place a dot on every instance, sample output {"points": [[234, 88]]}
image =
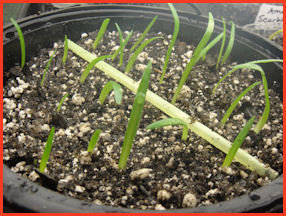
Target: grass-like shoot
{"points": [[169, 109], [66, 48], [172, 122], [196, 54], [93, 140], [101, 32], [230, 44], [47, 151], [275, 33], [22, 42], [61, 102], [90, 66], [174, 37], [135, 117], [143, 35], [237, 142], [109, 86], [256, 67], [235, 102], [222, 43], [47, 67], [123, 43], [136, 53]]}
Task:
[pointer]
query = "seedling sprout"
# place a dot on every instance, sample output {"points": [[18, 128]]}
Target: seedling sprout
{"points": [[275, 33], [230, 44], [222, 43], [93, 140], [109, 86], [143, 35], [90, 66], [61, 102], [135, 117], [237, 142], [193, 60], [174, 37], [172, 122], [123, 43], [66, 48], [47, 67], [47, 151], [22, 42], [136, 53], [101, 32], [235, 102]]}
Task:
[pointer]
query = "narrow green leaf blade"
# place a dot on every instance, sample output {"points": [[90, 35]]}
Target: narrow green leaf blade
{"points": [[222, 44], [135, 117], [90, 66], [62, 101], [230, 44], [66, 49], [101, 32], [235, 102], [109, 86], [136, 53], [93, 140], [237, 142], [143, 35], [47, 150], [193, 60], [22, 42], [117, 92], [47, 67], [174, 38], [166, 122]]}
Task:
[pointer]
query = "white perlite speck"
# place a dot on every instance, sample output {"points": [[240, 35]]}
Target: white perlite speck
{"points": [[189, 201], [85, 158], [142, 56], [140, 67], [84, 127], [159, 207], [84, 35], [9, 104], [79, 189], [163, 195], [77, 99], [140, 174]]}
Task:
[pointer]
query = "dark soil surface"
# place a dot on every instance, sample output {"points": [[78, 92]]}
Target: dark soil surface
{"points": [[163, 171]]}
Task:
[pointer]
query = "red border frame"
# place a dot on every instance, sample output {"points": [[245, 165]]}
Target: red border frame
{"points": [[130, 1]]}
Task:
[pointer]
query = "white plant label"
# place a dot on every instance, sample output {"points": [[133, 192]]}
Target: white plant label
{"points": [[269, 17]]}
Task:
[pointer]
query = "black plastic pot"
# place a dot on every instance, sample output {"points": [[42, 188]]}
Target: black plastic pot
{"points": [[21, 195]]}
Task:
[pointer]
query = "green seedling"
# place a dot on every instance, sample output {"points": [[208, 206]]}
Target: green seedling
{"points": [[256, 67], [93, 140], [230, 44], [275, 33], [101, 32], [90, 66], [135, 117], [123, 43], [22, 42], [172, 122], [61, 102], [109, 86], [136, 53], [66, 48], [235, 102], [47, 151], [222, 43], [237, 143], [196, 54], [174, 37], [143, 35], [47, 67], [169, 109]]}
